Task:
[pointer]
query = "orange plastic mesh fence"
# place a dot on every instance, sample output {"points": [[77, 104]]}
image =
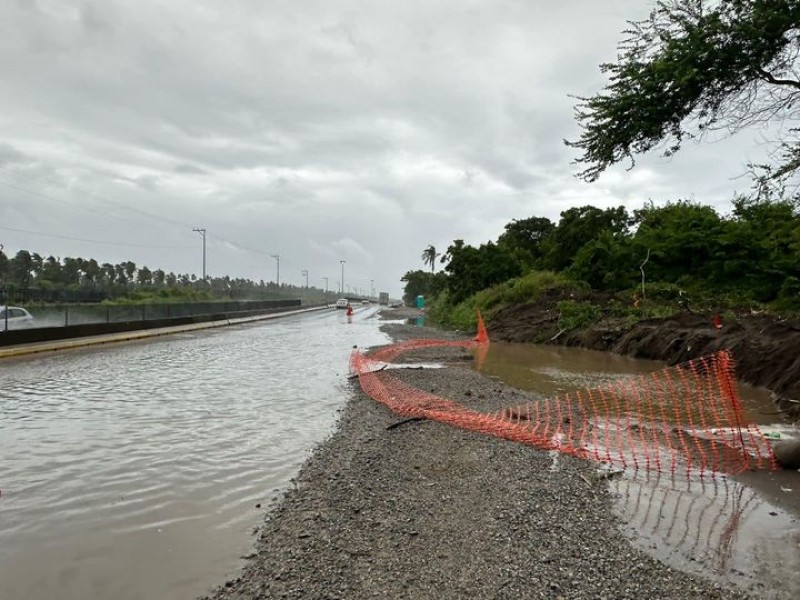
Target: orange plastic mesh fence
{"points": [[687, 417]]}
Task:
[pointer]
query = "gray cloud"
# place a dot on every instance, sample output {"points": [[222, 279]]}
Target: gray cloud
{"points": [[323, 131]]}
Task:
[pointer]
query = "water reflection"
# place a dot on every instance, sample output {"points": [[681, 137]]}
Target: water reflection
{"points": [[715, 528], [552, 370]]}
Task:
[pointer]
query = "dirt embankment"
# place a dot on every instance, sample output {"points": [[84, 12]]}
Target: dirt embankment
{"points": [[766, 348]]}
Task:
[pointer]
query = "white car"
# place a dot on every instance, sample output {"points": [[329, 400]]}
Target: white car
{"points": [[341, 303], [17, 318]]}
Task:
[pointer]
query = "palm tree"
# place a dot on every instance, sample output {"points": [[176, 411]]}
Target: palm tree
{"points": [[429, 256]]}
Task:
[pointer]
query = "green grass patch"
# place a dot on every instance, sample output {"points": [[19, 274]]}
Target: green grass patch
{"points": [[576, 315]]}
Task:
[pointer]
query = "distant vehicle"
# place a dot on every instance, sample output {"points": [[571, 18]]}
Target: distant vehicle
{"points": [[365, 302], [342, 303], [18, 318]]}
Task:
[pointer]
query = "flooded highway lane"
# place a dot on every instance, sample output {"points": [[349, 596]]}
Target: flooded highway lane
{"points": [[134, 471]]}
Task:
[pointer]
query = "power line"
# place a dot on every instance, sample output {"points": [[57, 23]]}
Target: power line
{"points": [[74, 239], [77, 206], [114, 203], [144, 213]]}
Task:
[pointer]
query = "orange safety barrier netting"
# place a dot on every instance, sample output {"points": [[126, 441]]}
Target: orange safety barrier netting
{"points": [[687, 417]]}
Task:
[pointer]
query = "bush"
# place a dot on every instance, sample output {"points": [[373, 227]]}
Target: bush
{"points": [[789, 295], [460, 316], [530, 287], [576, 315]]}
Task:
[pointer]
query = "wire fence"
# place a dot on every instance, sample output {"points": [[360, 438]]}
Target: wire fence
{"points": [[683, 419]]}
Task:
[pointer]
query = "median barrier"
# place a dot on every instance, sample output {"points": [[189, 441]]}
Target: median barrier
{"points": [[50, 334]]}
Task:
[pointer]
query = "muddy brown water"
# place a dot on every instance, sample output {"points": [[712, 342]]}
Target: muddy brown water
{"points": [[133, 471], [742, 530]]}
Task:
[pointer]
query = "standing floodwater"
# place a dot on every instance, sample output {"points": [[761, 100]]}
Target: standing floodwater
{"points": [[742, 530], [133, 471]]}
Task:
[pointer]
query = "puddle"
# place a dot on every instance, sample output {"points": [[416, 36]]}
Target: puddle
{"points": [[719, 529], [742, 531], [418, 321]]}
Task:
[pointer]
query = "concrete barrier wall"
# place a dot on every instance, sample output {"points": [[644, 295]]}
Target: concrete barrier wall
{"points": [[49, 334]]}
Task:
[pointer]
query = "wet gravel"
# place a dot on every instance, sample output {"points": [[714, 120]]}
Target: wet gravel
{"points": [[422, 510]]}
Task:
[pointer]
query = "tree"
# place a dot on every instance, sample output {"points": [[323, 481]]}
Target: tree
{"points": [[51, 270], [684, 240], [473, 269], [761, 244], [691, 67], [606, 263], [429, 256], [420, 283], [109, 274], [93, 272], [579, 226], [21, 267], [71, 271], [528, 235], [130, 270], [144, 276], [5, 267]]}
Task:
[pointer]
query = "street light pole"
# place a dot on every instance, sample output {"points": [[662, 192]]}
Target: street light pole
{"points": [[202, 232], [342, 261], [277, 257], [371, 288]]}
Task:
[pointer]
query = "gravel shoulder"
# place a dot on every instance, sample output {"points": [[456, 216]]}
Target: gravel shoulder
{"points": [[422, 510]]}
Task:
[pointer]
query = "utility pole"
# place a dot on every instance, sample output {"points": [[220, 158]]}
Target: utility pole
{"points": [[305, 272], [371, 288], [277, 257], [202, 232], [342, 261]]}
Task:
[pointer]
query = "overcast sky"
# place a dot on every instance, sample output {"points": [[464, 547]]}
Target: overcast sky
{"points": [[319, 131]]}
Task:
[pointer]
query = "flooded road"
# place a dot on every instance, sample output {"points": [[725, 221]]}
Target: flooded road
{"points": [[134, 471], [742, 530]]}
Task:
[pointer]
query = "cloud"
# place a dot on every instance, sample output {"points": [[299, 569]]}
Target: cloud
{"points": [[9, 154], [321, 130]]}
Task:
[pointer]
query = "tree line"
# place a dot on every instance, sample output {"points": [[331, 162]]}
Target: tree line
{"points": [[751, 255], [89, 279]]}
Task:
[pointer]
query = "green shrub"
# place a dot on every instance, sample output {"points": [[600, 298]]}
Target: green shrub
{"points": [[789, 295], [530, 287], [575, 315]]}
